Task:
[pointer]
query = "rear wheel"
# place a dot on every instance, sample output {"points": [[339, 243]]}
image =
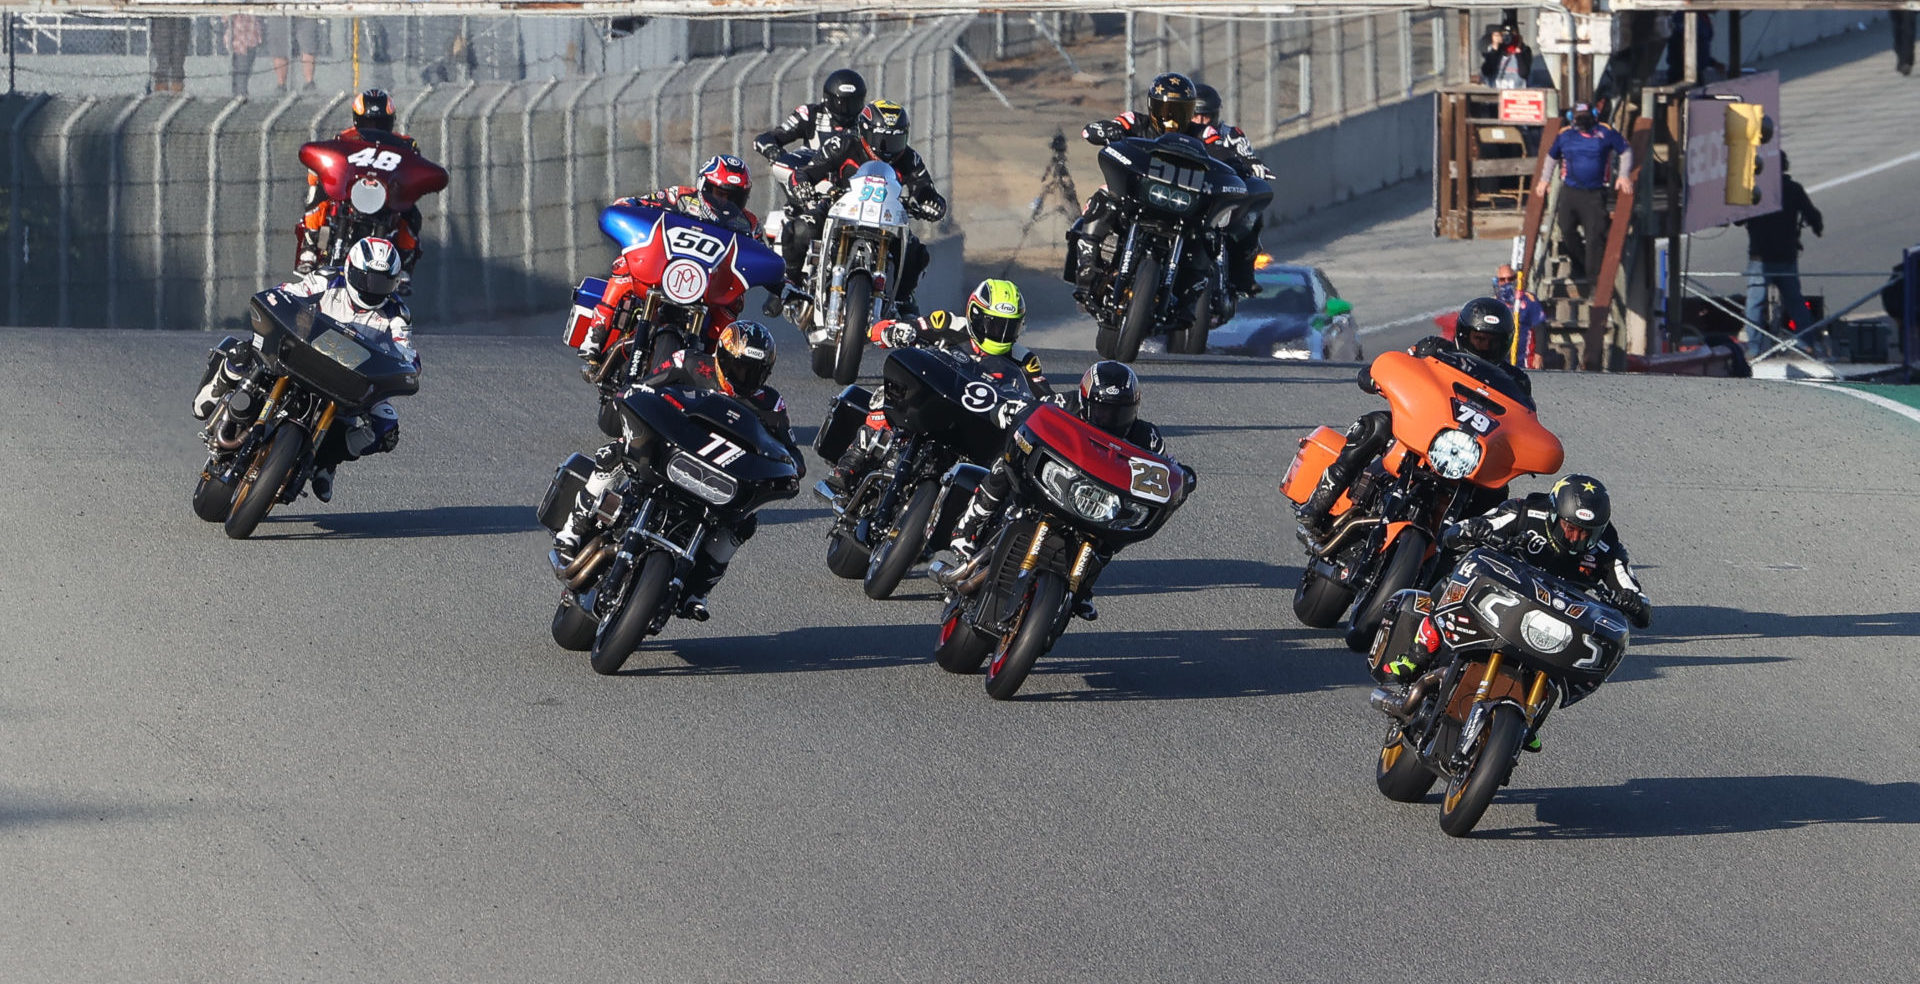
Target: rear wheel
{"points": [[895, 555], [573, 628], [845, 556], [853, 326], [629, 624], [823, 356], [1469, 794], [1105, 340], [1399, 773], [272, 467], [1193, 340], [212, 498], [1319, 602], [1139, 321], [962, 648], [1021, 647], [1400, 571]]}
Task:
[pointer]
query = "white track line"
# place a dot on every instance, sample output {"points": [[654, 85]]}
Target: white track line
{"points": [[1416, 319], [1865, 172], [1873, 398]]}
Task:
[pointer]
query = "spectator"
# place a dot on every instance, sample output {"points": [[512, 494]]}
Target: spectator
{"points": [[1903, 41], [167, 40], [287, 36], [1527, 314], [1506, 62], [244, 34], [1710, 70], [1773, 257], [1585, 150]]}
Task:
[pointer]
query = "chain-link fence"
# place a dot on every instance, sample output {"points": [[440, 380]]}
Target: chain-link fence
{"points": [[166, 210]]}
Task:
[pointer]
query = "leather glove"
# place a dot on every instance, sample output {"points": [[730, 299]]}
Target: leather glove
{"points": [[1635, 607], [1365, 380], [1007, 412], [767, 149], [1100, 132], [927, 209]]}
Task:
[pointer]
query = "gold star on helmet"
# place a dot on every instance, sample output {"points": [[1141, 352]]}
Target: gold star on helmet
{"points": [[1589, 486]]}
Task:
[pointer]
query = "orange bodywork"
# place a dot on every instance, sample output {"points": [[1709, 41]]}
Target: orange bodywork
{"points": [[1422, 393], [1317, 451]]}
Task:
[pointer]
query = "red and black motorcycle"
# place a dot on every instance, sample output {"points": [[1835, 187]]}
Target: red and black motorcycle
{"points": [[369, 187], [1079, 494]]}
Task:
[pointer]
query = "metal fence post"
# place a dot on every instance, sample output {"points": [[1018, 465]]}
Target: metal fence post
{"points": [[886, 57], [774, 88], [485, 212], [1338, 34], [64, 239], [446, 213], [1233, 66], [114, 155], [263, 166], [570, 191], [1404, 24], [695, 121], [654, 138], [738, 132], [159, 208], [1369, 45], [526, 185], [1126, 98], [1272, 94], [326, 110], [16, 229], [212, 283], [613, 132]]}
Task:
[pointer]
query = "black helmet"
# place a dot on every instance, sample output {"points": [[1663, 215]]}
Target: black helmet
{"points": [[844, 92], [1581, 512], [1170, 102], [373, 110], [745, 356], [1207, 104], [883, 126], [1489, 318], [1110, 397]]}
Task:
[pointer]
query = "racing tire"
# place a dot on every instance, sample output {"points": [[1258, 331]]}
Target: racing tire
{"points": [[1020, 648], [1468, 794], [961, 648], [1139, 320], [857, 307], [212, 498], [822, 358], [1400, 571], [1104, 340], [627, 626], [1398, 772], [846, 558], [1192, 340], [260, 486], [572, 628], [1318, 602], [894, 556]]}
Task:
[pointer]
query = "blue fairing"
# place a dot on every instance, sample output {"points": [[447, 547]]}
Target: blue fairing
{"points": [[631, 226], [759, 265]]}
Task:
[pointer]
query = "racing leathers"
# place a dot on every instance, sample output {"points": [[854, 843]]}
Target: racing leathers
{"points": [[840, 156], [1368, 437], [944, 330], [686, 370], [319, 210], [810, 125], [687, 201]]}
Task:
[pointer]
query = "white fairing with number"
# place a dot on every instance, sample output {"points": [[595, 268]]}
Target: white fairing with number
{"points": [[869, 216]]}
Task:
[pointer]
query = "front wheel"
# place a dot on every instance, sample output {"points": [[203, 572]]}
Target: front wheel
{"points": [[962, 648], [212, 498], [572, 627], [1401, 570], [855, 309], [1193, 339], [822, 360], [896, 554], [1469, 794], [1319, 602], [845, 556], [628, 625], [1028, 640], [272, 468], [1399, 773], [1139, 320]]}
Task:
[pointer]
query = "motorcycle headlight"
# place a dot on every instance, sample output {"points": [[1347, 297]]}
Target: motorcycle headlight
{"points": [[1070, 490], [1544, 632], [702, 479], [1454, 454], [368, 196], [1170, 198]]}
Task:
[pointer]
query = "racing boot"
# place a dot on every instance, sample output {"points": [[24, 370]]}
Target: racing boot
{"points": [[322, 483], [701, 581], [1317, 512], [968, 528], [226, 367]]}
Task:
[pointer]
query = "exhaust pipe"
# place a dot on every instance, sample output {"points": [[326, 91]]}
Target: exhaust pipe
{"points": [[1399, 707]]}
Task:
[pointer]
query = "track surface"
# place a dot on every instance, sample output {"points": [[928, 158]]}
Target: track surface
{"points": [[348, 751]]}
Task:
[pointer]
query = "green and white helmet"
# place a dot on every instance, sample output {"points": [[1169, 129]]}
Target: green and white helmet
{"points": [[995, 313]]}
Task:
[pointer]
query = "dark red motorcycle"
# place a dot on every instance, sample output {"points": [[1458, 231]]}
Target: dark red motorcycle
{"points": [[369, 189]]}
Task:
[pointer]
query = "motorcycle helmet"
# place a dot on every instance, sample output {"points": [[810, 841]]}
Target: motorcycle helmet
{"points": [[1110, 397], [744, 356], [883, 128], [373, 272], [1485, 328], [995, 313], [1170, 102], [1581, 512], [725, 182], [844, 92], [373, 110], [1207, 104]]}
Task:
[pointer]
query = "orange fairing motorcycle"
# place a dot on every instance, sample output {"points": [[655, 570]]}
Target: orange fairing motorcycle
{"points": [[1461, 432]]}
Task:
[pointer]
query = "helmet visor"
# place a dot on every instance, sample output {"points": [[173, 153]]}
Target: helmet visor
{"points": [[993, 333], [1173, 115], [372, 285], [1114, 418], [1577, 536]]}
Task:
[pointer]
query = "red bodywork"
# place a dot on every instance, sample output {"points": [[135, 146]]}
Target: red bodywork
{"points": [[1098, 454], [409, 177]]}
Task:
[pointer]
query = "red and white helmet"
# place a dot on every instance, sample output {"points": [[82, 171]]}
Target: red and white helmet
{"points": [[373, 272], [725, 183]]}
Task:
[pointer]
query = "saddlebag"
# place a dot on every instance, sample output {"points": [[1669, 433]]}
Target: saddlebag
{"points": [[1317, 451], [845, 413], [568, 480], [585, 297]]}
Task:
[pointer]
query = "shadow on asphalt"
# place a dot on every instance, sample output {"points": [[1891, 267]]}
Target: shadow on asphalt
{"points": [[1692, 807], [1695, 623], [1128, 576], [1206, 665], [399, 523], [852, 647]]}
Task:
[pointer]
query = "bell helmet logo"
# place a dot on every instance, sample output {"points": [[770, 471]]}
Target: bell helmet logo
{"points": [[684, 281], [1584, 515]]}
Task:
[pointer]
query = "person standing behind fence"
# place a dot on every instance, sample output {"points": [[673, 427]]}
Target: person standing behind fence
{"points": [[1773, 257], [1585, 150], [1506, 62], [244, 34], [285, 37], [1903, 40], [168, 39]]}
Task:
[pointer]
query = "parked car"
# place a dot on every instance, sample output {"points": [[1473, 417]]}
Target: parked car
{"points": [[1297, 315]]}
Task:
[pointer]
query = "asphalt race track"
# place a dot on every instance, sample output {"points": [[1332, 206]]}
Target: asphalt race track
{"points": [[348, 751]]}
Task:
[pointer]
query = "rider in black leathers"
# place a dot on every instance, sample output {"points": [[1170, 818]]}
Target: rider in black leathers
{"points": [[811, 124]]}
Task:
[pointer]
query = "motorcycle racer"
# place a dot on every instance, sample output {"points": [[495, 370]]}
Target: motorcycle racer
{"points": [[373, 118], [739, 367], [811, 124]]}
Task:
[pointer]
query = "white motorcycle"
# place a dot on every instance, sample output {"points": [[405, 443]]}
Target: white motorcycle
{"points": [[852, 269]]}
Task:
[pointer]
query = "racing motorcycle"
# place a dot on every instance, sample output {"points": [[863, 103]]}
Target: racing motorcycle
{"points": [[1167, 273], [371, 186], [1460, 434], [1079, 494], [311, 373], [852, 268], [696, 461], [685, 272], [940, 411], [1505, 640]]}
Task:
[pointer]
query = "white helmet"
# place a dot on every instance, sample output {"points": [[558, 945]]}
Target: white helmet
{"points": [[373, 272]]}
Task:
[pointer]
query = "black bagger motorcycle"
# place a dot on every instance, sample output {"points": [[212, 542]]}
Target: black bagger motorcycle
{"points": [[1078, 495], [941, 411], [312, 372], [695, 461], [1174, 205], [1503, 640]]}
